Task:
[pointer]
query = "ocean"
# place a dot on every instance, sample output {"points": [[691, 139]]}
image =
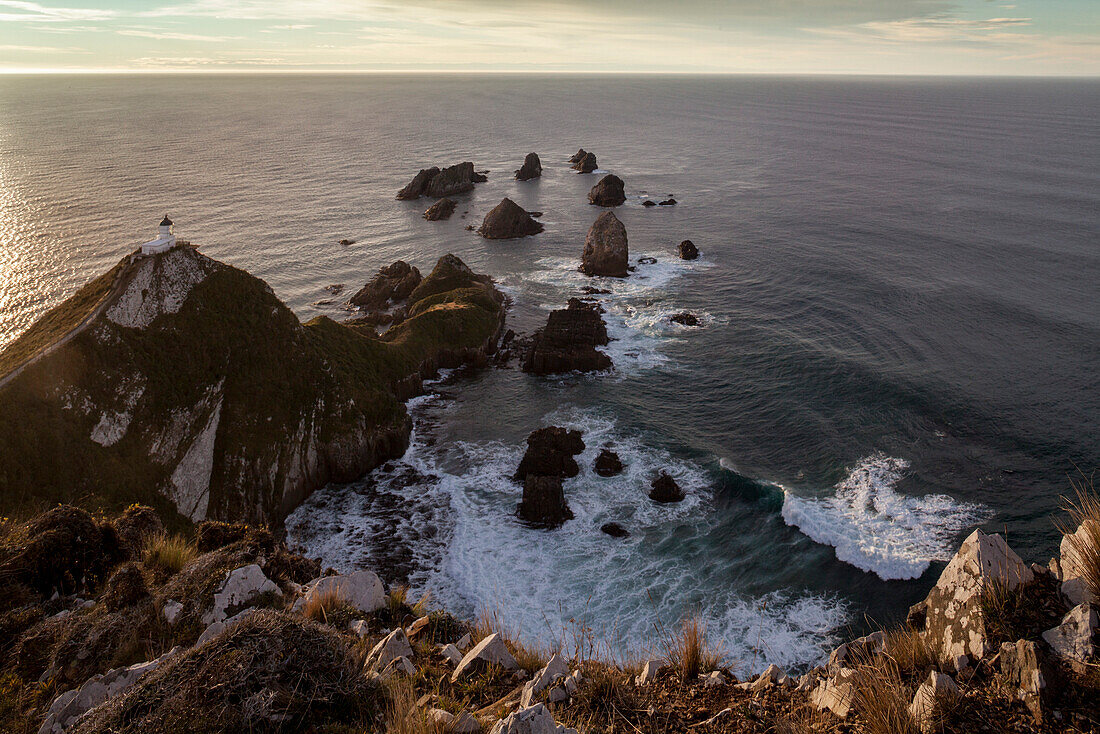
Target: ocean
{"points": [[899, 291]]}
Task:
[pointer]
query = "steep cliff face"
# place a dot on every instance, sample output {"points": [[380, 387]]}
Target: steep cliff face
{"points": [[197, 390]]}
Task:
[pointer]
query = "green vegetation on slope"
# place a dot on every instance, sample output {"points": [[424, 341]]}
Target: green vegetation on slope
{"points": [[294, 405]]}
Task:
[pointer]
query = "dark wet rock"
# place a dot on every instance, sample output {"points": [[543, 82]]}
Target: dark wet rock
{"points": [[688, 250], [589, 290], [535, 214], [532, 168], [608, 192], [442, 209], [346, 242], [615, 530], [391, 284], [685, 318], [665, 489], [550, 452], [452, 180], [605, 248], [415, 188], [647, 261], [667, 202], [568, 342], [578, 156], [608, 463], [544, 501], [587, 164], [508, 220], [648, 203], [335, 288]]}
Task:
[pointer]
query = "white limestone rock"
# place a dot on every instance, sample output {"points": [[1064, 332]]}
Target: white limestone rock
{"points": [[451, 654], [1077, 639], [240, 588], [401, 666], [953, 625], [929, 699], [361, 590], [556, 670], [713, 678], [836, 694], [531, 720], [389, 648], [650, 671], [1021, 666], [72, 705], [216, 628], [170, 610], [1072, 564], [490, 651]]}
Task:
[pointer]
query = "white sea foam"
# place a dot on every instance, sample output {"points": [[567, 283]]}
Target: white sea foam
{"points": [[877, 529], [455, 523], [637, 309]]}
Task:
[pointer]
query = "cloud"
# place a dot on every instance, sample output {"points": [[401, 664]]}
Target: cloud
{"points": [[171, 36], [932, 30], [41, 49], [34, 12]]}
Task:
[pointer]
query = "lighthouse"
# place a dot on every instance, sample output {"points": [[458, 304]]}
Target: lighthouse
{"points": [[165, 240]]}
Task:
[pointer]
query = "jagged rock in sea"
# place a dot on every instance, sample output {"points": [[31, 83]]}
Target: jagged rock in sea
{"points": [[568, 342], [615, 530], [185, 383], [438, 183], [587, 164], [415, 188], [684, 318], [665, 489], [667, 202], [606, 250], [578, 156], [648, 203], [457, 179], [442, 209], [608, 463], [688, 250], [391, 284], [508, 220], [609, 191], [951, 618], [550, 452], [531, 168], [544, 501]]}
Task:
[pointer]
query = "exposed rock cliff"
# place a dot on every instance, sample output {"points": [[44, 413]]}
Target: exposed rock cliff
{"points": [[195, 389]]}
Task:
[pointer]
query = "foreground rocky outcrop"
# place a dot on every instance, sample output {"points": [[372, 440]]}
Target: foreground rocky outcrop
{"points": [[197, 391], [238, 633], [609, 191], [606, 250], [508, 220], [568, 342], [438, 183], [531, 168]]}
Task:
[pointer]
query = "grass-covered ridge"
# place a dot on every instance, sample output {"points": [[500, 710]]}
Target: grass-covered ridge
{"points": [[227, 406]]}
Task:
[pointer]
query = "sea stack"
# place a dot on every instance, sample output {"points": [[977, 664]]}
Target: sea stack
{"points": [[688, 250], [548, 460], [605, 248], [415, 188], [453, 180], [609, 191], [508, 220], [578, 156], [442, 209], [568, 342], [532, 168], [587, 164]]}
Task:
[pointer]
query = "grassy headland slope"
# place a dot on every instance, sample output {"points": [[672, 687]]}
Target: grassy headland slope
{"points": [[197, 391]]}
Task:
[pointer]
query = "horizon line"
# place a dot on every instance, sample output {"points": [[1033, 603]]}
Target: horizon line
{"points": [[16, 71]]}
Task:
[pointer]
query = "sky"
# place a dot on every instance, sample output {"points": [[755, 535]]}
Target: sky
{"points": [[972, 37]]}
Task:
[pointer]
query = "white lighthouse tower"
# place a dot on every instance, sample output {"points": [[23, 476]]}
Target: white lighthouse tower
{"points": [[165, 240]]}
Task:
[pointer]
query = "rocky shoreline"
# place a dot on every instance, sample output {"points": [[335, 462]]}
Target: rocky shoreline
{"points": [[111, 624]]}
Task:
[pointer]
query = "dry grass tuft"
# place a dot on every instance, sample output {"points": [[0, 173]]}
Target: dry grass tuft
{"points": [[908, 649], [882, 698], [1085, 518], [323, 605], [403, 716], [397, 602], [168, 553], [690, 651]]}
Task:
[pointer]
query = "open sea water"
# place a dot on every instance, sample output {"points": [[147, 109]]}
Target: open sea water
{"points": [[899, 288]]}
